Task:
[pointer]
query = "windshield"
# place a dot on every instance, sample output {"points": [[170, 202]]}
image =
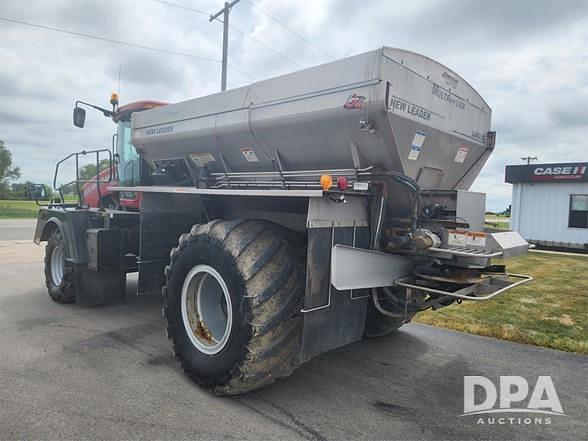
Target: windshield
{"points": [[128, 167]]}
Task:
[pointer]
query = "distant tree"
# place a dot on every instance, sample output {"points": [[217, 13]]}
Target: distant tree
{"points": [[70, 189], [50, 194], [19, 190], [8, 172], [88, 171]]}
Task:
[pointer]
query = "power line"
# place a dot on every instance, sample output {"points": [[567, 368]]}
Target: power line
{"points": [[302, 37], [236, 29], [197, 11], [245, 34], [123, 43], [232, 66], [109, 40]]}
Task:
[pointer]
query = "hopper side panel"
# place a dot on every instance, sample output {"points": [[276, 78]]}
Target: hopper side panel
{"points": [[440, 132]]}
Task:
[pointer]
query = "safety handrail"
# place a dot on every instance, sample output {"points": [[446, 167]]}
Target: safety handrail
{"points": [[78, 181], [464, 293]]}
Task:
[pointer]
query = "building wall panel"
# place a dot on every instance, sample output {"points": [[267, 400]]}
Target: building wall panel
{"points": [[540, 212]]}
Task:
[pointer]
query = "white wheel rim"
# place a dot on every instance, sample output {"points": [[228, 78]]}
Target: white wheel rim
{"points": [[207, 311], [57, 265]]}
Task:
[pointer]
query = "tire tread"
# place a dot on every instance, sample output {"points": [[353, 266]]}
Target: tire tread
{"points": [[273, 276], [66, 293]]}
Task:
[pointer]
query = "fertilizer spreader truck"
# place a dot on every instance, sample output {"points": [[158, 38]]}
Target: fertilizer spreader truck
{"points": [[295, 215]]}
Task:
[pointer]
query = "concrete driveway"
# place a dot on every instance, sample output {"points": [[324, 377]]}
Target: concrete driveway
{"points": [[68, 372]]}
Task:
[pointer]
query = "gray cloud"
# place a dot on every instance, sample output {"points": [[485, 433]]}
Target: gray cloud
{"points": [[571, 114], [483, 21], [148, 70]]}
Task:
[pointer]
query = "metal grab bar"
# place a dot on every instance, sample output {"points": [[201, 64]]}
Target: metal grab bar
{"points": [[77, 181], [283, 178], [463, 293]]}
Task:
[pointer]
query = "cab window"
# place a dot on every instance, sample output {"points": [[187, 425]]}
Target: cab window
{"points": [[128, 168]]}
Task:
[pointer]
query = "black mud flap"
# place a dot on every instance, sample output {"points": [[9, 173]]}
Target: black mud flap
{"points": [[332, 318], [99, 287]]}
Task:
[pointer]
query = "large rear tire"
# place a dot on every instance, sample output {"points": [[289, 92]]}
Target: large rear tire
{"points": [[232, 300], [59, 273]]}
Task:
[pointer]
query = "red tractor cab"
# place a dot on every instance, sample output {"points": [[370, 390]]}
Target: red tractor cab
{"points": [[126, 165]]}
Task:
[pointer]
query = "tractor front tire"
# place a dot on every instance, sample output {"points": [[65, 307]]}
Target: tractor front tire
{"points": [[59, 274], [233, 296]]}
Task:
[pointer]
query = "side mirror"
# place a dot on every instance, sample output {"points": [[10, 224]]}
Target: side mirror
{"points": [[79, 117], [36, 192]]}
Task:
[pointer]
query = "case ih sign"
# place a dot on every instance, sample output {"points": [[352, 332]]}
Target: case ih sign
{"points": [[570, 171]]}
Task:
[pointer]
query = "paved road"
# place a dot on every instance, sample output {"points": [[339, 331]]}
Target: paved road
{"points": [[17, 229], [68, 372]]}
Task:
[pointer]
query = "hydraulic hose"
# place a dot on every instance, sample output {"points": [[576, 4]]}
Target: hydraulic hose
{"points": [[380, 308], [410, 184]]}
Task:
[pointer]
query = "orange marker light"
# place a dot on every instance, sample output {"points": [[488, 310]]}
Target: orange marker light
{"points": [[326, 182], [114, 98]]}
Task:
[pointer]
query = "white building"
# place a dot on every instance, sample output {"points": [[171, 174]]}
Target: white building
{"points": [[550, 203]]}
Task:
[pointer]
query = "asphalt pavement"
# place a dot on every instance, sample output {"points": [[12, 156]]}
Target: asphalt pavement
{"points": [[68, 372], [17, 229]]}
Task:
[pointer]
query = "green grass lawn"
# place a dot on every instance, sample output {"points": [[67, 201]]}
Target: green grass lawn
{"points": [[550, 311], [498, 225], [15, 209], [11, 209], [497, 222]]}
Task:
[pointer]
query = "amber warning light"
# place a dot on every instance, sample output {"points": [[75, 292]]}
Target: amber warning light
{"points": [[114, 99], [326, 182]]}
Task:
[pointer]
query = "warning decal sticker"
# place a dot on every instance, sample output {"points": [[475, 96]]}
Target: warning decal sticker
{"points": [[417, 143], [461, 238], [462, 153], [456, 238], [249, 154], [476, 238]]}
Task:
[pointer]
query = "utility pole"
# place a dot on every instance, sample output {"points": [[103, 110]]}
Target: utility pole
{"points": [[529, 159], [225, 11]]}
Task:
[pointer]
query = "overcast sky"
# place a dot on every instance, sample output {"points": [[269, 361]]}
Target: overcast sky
{"points": [[528, 59]]}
